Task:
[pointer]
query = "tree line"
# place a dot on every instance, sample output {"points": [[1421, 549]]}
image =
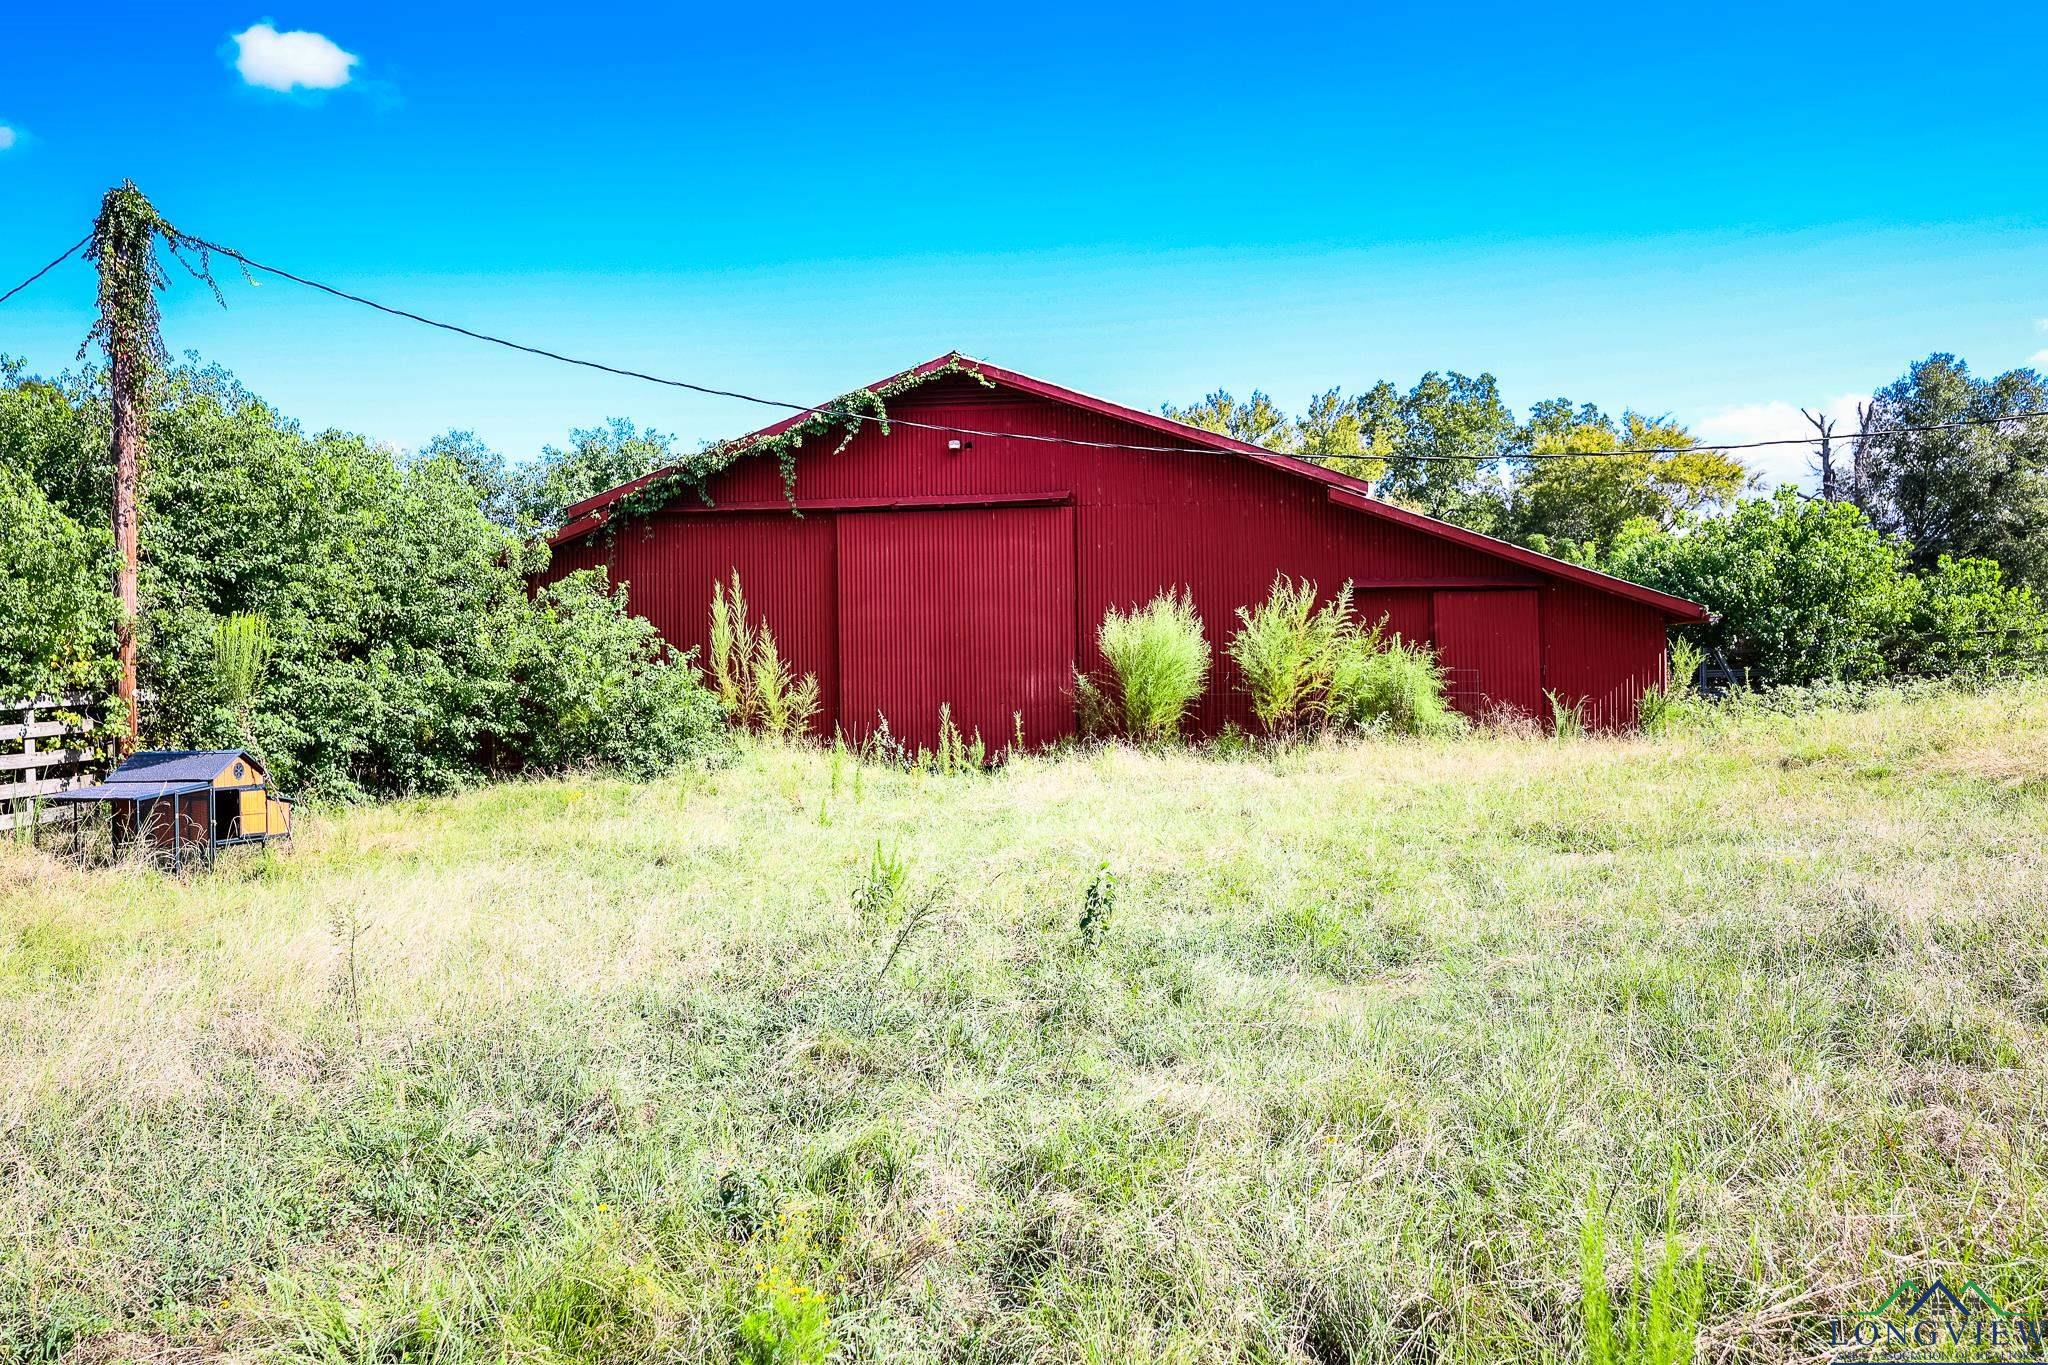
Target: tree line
{"points": [[1923, 554]]}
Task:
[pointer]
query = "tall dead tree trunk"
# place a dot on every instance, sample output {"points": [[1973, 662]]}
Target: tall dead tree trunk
{"points": [[1859, 484], [1824, 460]]}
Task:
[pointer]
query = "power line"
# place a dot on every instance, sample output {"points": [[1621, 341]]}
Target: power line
{"points": [[66, 255], [856, 415]]}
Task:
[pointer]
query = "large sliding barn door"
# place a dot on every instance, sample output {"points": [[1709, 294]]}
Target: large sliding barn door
{"points": [[972, 608], [1490, 643]]}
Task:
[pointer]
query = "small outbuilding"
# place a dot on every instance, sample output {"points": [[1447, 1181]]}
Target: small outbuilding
{"points": [[189, 802]]}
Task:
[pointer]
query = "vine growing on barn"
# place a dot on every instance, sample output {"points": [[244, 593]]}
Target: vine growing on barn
{"points": [[846, 415]]}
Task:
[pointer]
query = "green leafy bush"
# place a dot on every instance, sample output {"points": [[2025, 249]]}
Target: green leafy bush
{"points": [[1805, 589], [1965, 620], [1385, 683], [56, 606], [1158, 661], [595, 685]]}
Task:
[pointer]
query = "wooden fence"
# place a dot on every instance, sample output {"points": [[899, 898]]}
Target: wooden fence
{"points": [[46, 746]]}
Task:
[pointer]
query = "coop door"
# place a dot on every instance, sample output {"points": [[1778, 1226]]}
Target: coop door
{"points": [[1490, 644], [971, 609]]}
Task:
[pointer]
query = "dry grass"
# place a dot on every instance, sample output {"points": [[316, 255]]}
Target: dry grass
{"points": [[1367, 1022]]}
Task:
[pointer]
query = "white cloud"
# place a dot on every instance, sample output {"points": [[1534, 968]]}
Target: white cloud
{"points": [[2038, 359], [6, 137], [292, 60], [1776, 421]]}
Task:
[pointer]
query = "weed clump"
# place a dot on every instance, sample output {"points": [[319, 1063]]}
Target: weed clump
{"points": [[1158, 661], [1313, 668]]}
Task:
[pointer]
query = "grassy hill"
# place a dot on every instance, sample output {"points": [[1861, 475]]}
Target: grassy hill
{"points": [[594, 1070]]}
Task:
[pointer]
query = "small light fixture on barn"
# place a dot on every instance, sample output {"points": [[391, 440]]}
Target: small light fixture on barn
{"points": [[189, 801]]}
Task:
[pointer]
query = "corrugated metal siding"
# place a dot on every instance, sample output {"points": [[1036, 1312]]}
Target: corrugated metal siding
{"points": [[973, 609], [1490, 643], [591, 552], [1603, 651], [1218, 525], [669, 563]]}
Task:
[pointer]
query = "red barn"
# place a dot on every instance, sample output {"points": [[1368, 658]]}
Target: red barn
{"points": [[971, 566]]}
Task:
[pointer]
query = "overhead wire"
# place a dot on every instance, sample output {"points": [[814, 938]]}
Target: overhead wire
{"points": [[853, 414], [56, 261]]}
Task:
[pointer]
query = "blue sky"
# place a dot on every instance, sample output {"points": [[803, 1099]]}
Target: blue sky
{"points": [[1719, 212]]}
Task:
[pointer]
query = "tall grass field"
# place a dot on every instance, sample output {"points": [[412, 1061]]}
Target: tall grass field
{"points": [[1478, 1048]]}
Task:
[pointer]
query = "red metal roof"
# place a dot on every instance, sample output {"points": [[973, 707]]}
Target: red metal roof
{"points": [[582, 518]]}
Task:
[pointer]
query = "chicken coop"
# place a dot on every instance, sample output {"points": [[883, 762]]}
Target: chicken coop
{"points": [[188, 803]]}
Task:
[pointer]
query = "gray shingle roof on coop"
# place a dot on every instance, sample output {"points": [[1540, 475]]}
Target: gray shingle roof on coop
{"points": [[180, 765]]}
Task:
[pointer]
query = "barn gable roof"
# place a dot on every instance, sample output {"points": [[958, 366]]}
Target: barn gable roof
{"points": [[590, 514]]}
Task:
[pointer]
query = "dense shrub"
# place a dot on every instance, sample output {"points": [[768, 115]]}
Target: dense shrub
{"points": [[56, 602], [1805, 589], [595, 684], [1314, 667], [397, 610], [1286, 651], [1158, 661], [1391, 685], [1964, 619]]}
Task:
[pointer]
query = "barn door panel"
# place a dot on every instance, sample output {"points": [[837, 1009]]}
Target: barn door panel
{"points": [[970, 608], [784, 563], [1490, 643]]}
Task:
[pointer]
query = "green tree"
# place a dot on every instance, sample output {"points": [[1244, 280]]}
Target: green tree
{"points": [[1257, 420], [56, 610], [596, 458], [1804, 589], [1331, 430], [500, 490], [52, 432], [1446, 441], [1581, 506], [398, 615], [1979, 490]]}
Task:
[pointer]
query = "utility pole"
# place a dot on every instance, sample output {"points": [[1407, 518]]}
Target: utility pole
{"points": [[124, 249], [125, 377]]}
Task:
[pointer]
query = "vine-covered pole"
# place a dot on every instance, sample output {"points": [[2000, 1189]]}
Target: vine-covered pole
{"points": [[123, 247]]}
